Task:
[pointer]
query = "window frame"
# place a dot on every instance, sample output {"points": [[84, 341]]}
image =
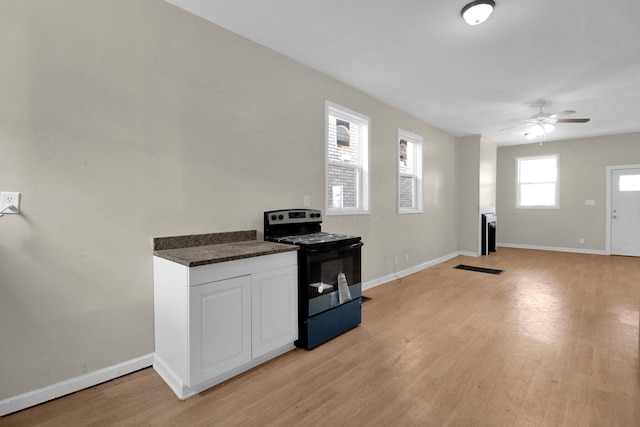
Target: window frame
{"points": [[418, 142], [363, 162], [556, 204]]}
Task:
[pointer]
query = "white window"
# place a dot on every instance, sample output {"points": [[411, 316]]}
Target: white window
{"points": [[629, 183], [537, 182], [347, 161], [409, 172]]}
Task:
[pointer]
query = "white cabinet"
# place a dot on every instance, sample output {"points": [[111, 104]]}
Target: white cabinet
{"points": [[220, 327], [274, 305], [215, 321]]}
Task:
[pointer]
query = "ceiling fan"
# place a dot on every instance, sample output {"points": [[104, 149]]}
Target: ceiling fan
{"points": [[543, 123]]}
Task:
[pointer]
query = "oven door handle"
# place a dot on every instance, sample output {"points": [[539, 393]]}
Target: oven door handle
{"points": [[336, 248]]}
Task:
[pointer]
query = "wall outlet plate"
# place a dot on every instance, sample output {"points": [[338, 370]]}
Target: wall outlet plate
{"points": [[10, 200]]}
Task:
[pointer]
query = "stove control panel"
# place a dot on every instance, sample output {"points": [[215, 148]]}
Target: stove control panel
{"points": [[293, 216]]}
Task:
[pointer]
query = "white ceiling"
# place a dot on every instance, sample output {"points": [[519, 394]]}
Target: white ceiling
{"points": [[422, 58]]}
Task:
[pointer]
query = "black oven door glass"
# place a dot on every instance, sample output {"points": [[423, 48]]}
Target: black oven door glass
{"points": [[323, 267]]}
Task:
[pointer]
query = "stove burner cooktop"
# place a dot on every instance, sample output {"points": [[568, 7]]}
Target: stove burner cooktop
{"points": [[302, 227], [313, 238]]}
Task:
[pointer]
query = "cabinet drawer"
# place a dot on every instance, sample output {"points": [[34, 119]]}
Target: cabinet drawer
{"points": [[240, 267]]}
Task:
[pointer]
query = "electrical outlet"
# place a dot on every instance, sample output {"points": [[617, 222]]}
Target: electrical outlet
{"points": [[582, 241], [406, 257], [307, 201], [10, 202], [397, 259]]}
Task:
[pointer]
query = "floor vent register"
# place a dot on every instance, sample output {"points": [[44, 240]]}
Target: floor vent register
{"points": [[478, 269]]}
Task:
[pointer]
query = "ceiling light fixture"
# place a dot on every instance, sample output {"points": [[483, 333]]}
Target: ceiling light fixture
{"points": [[539, 129], [477, 11], [542, 128]]}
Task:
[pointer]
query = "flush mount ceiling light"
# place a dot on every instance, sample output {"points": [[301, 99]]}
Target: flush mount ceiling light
{"points": [[477, 11]]}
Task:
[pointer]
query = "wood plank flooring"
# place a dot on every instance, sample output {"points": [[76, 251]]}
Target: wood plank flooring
{"points": [[551, 341]]}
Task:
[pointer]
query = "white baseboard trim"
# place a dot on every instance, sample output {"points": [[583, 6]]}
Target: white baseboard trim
{"points": [[465, 253], [552, 248], [182, 391], [397, 275], [32, 398], [36, 397]]}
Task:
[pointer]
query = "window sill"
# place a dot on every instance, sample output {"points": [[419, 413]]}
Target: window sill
{"points": [[345, 212], [410, 211], [537, 207]]}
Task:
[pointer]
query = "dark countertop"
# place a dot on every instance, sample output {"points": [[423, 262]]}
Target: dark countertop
{"points": [[226, 248], [191, 240]]}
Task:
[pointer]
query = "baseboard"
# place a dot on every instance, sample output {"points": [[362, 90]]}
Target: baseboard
{"points": [[36, 397], [399, 274], [32, 398], [471, 254], [182, 391], [390, 277], [552, 248]]}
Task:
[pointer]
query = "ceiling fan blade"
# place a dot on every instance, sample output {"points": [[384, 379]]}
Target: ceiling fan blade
{"points": [[523, 120], [572, 120], [520, 125], [562, 113]]}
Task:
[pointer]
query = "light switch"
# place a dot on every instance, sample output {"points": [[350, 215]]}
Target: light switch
{"points": [[590, 202], [9, 202]]}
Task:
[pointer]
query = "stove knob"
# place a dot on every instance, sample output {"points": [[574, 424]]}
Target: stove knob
{"points": [[280, 216], [273, 217]]}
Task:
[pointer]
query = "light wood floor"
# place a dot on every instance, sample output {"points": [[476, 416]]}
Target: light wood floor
{"points": [[552, 341]]}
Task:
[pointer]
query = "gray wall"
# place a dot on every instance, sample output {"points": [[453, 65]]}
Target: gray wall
{"points": [[488, 173], [583, 165], [468, 193], [124, 120], [476, 188]]}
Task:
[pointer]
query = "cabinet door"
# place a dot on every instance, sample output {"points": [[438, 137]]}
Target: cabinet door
{"points": [[220, 327], [275, 309]]}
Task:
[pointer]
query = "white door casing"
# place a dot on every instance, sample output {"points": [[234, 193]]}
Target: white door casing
{"points": [[623, 211]]}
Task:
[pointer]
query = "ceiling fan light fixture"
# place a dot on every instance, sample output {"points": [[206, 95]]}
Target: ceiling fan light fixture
{"points": [[539, 129], [477, 11]]}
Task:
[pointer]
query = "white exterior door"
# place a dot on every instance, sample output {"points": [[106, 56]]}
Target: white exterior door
{"points": [[625, 212]]}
